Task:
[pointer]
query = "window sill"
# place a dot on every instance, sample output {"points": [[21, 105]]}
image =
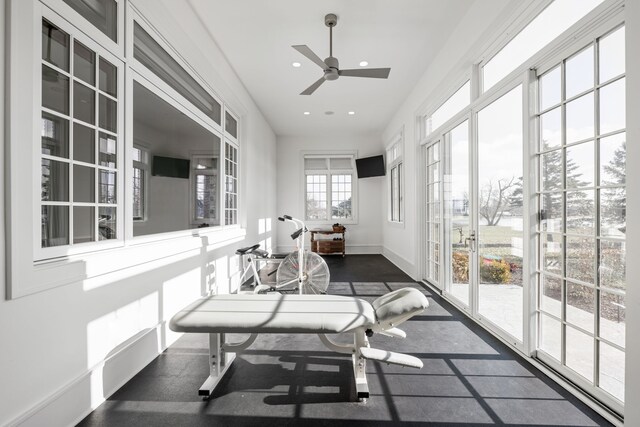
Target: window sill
{"points": [[395, 224], [90, 267]]}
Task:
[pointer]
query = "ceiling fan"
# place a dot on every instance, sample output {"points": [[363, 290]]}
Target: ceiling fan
{"points": [[330, 64]]}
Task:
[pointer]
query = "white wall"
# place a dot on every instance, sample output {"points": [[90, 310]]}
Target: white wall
{"points": [[632, 301], [401, 244], [63, 350], [363, 237]]}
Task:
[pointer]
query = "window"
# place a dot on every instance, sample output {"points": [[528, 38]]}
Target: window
{"points": [[205, 188], [181, 153], [155, 58], [329, 189], [433, 216], [553, 21], [140, 180], [582, 226], [79, 143], [396, 184], [460, 99], [231, 183], [103, 14]]}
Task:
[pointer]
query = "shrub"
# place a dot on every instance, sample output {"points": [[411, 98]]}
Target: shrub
{"points": [[495, 272], [460, 266]]}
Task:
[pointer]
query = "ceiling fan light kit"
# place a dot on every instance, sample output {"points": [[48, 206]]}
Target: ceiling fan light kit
{"points": [[331, 66]]}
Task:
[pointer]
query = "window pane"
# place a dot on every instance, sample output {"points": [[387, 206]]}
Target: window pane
{"points": [[581, 258], [552, 171], [55, 46], [108, 77], [612, 107], [55, 135], [551, 129], [580, 119], [613, 160], [55, 181], [55, 90], [579, 73], [138, 193], [550, 336], [103, 14], [230, 125], [579, 349], [108, 146], [612, 318], [612, 267], [611, 378], [107, 188], [550, 89], [613, 212], [555, 19], [55, 226], [108, 114], [552, 212], [83, 184], [156, 59], [206, 196], [581, 304], [84, 144], [612, 56], [84, 103], [107, 223], [450, 107], [316, 198], [83, 224], [84, 63], [552, 253], [580, 212], [551, 295]]}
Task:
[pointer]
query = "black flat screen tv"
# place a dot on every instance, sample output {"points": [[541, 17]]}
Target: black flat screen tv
{"points": [[170, 167], [370, 166]]}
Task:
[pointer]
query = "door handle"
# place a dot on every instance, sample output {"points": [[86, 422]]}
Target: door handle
{"points": [[471, 241]]}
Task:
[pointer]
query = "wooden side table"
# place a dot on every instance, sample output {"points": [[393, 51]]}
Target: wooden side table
{"points": [[328, 246]]}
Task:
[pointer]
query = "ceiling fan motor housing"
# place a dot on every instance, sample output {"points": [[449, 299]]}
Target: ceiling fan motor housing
{"points": [[331, 73]]}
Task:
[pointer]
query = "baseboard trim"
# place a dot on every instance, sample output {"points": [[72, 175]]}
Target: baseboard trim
{"points": [[355, 249], [72, 402], [400, 262]]}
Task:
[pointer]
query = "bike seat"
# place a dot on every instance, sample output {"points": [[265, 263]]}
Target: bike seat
{"points": [[248, 249]]}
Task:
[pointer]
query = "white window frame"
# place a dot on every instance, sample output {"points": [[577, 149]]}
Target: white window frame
{"points": [[27, 273], [395, 160], [144, 167], [328, 173], [194, 173]]}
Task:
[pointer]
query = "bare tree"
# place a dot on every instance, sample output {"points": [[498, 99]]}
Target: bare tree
{"points": [[495, 198]]}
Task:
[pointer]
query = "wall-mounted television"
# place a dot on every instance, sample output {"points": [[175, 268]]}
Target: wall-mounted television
{"points": [[370, 166], [170, 167]]}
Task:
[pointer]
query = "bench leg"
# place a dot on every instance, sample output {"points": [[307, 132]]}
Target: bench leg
{"points": [[360, 365], [219, 362]]}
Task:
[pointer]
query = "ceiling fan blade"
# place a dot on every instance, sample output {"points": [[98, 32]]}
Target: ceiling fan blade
{"points": [[313, 87], [304, 49], [375, 73]]}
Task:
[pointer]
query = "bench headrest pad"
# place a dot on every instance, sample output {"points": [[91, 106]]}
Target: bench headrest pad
{"points": [[398, 306]]}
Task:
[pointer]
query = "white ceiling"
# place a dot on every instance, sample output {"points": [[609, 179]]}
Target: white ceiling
{"points": [[256, 37]]}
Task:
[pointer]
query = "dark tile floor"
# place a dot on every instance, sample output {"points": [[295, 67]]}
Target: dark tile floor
{"points": [[468, 378]]}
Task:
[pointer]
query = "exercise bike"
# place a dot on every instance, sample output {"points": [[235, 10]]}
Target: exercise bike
{"points": [[311, 276], [306, 271]]}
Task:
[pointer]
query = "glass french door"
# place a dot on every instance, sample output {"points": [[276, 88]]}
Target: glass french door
{"points": [[457, 213], [433, 214], [499, 201]]}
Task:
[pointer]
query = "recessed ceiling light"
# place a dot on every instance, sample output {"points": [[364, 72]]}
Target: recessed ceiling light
{"points": [[351, 113], [363, 63], [296, 64], [306, 113], [328, 113]]}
